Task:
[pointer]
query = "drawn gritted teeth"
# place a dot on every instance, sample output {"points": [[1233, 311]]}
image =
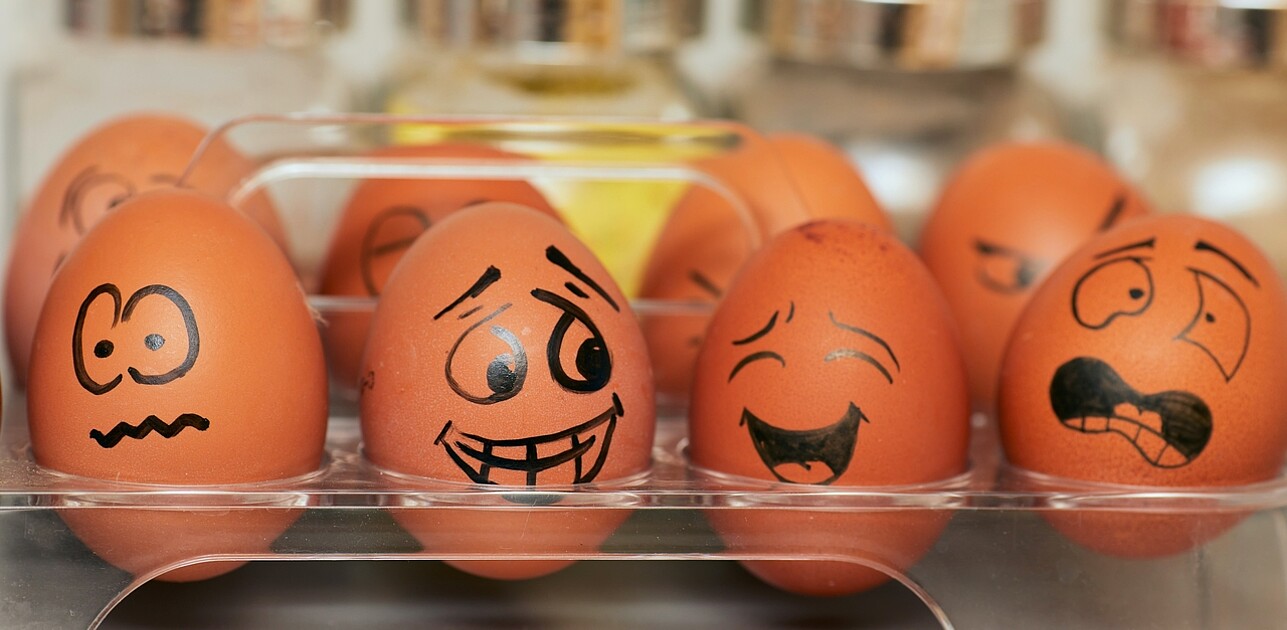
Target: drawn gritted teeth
{"points": [[579, 453], [1169, 429], [149, 424], [782, 450]]}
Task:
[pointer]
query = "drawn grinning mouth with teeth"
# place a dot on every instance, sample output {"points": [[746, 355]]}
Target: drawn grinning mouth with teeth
{"points": [[811, 456], [1169, 429], [573, 455]]}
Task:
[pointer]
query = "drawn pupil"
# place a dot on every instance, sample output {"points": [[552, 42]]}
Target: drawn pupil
{"points": [[1210, 318], [103, 349], [154, 341], [1137, 293], [592, 359], [500, 376]]}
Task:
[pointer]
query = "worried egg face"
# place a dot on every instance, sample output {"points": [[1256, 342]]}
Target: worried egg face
{"points": [[1009, 215], [104, 169], [381, 221], [1150, 357], [516, 358]]}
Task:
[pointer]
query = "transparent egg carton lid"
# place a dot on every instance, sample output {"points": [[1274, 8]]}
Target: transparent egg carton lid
{"points": [[1013, 544]]}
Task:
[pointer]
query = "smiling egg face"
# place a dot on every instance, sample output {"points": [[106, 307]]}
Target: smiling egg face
{"points": [[1009, 215], [832, 361]]}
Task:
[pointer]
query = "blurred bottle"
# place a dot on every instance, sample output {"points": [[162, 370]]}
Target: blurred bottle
{"points": [[574, 58], [210, 60], [1195, 109], [907, 88], [546, 57]]}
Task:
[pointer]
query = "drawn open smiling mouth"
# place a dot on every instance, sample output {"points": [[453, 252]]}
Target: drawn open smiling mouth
{"points": [[798, 456], [583, 449], [150, 424], [1169, 429]]}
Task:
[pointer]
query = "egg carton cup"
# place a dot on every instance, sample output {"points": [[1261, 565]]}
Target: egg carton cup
{"points": [[1014, 544]]}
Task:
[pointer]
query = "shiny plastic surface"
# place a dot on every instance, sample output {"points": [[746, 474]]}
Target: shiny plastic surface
{"points": [[999, 559]]}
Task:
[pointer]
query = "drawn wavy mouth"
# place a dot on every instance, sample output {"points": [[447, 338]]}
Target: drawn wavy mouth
{"points": [[577, 453], [796, 456], [1169, 429], [149, 425]]}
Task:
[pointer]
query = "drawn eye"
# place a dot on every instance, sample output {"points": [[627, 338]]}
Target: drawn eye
{"points": [[488, 363], [578, 355], [1122, 287], [91, 195], [387, 238], [1005, 270], [1221, 327], [752, 358]]}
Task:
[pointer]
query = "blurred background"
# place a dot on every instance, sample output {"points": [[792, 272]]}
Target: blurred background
{"points": [[1184, 97]]}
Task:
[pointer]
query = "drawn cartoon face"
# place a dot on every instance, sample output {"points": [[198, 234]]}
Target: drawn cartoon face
{"points": [[161, 359], [1150, 347], [806, 378], [538, 371], [1006, 219]]}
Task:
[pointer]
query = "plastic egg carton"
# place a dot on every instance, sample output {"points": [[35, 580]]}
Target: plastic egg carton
{"points": [[998, 563]]}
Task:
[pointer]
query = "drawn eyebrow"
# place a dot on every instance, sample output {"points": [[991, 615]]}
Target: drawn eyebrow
{"points": [[1114, 212], [1204, 246], [706, 284], [557, 257], [842, 353], [1117, 250], [983, 247], [488, 278], [576, 290], [470, 312], [791, 313], [759, 333], [868, 334], [755, 356]]}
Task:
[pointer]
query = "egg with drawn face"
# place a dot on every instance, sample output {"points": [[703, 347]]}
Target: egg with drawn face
{"points": [[832, 361], [176, 349], [502, 354], [381, 221], [106, 167], [1009, 214], [1151, 358]]}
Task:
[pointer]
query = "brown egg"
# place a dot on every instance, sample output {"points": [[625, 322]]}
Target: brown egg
{"points": [[1151, 358], [381, 220], [502, 353], [707, 239], [195, 362], [831, 361], [1007, 217], [109, 165]]}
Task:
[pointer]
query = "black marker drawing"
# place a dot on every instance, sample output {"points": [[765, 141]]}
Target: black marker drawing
{"points": [[1169, 429], [592, 360], [557, 257], [1004, 269], [753, 357], [704, 283], [1203, 246], [368, 383], [1118, 287], [759, 334], [869, 335], [103, 348], [489, 277], [72, 213], [149, 425], [1144, 244], [1219, 308], [505, 372], [832, 446], [587, 449], [406, 223], [1114, 212]]}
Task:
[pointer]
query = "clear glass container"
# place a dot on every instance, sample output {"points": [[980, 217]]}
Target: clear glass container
{"points": [[1006, 556], [906, 88], [210, 61], [1195, 110]]}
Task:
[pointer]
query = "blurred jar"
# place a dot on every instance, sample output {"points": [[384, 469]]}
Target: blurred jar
{"points": [[1195, 109], [907, 88], [209, 60], [546, 58]]}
